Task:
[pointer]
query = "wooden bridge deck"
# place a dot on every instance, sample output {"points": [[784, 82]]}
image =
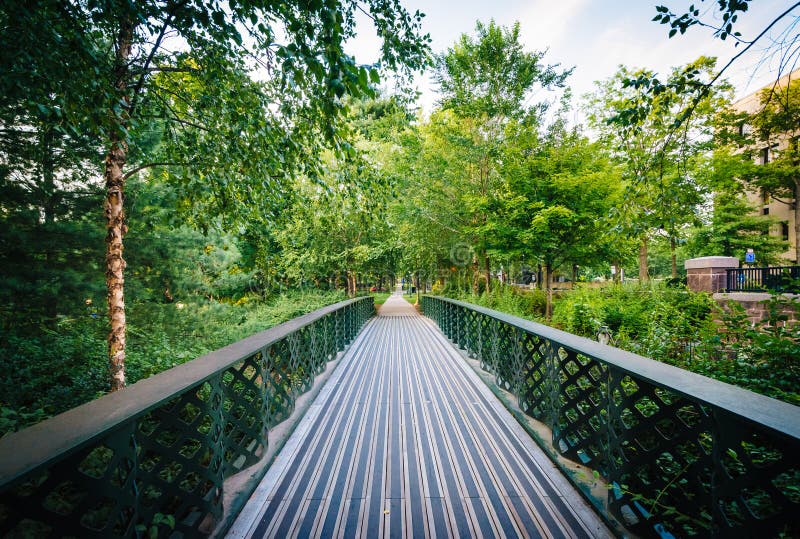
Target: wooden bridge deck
{"points": [[406, 441]]}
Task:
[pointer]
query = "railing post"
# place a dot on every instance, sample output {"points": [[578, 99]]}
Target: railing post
{"points": [[315, 346], [480, 321], [457, 328], [553, 387], [473, 324], [340, 330], [516, 363], [494, 346]]}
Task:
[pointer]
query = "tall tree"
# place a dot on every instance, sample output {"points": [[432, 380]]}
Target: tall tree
{"points": [[46, 240], [120, 47], [663, 192], [559, 201], [338, 229], [487, 82], [722, 21]]}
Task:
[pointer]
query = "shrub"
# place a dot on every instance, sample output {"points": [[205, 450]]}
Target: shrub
{"points": [[671, 324], [54, 370]]}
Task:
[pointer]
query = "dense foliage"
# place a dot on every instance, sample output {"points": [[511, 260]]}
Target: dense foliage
{"points": [[62, 367], [262, 162], [676, 326]]}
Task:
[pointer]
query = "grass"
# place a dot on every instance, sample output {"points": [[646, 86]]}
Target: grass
{"points": [[381, 297]]}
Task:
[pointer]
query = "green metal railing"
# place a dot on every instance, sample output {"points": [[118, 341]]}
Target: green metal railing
{"points": [[682, 453], [154, 458]]}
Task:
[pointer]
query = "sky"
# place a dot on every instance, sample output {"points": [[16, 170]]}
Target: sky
{"points": [[596, 36]]}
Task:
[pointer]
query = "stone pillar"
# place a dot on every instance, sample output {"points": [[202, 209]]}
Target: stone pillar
{"points": [[707, 274]]}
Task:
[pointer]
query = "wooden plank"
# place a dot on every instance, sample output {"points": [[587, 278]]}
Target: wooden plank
{"points": [[411, 444]]}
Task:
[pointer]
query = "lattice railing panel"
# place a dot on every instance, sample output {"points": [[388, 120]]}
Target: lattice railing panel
{"points": [[676, 462], [505, 365], [181, 459], [659, 442], [490, 357], [536, 388], [329, 338], [280, 382], [169, 460], [581, 407], [302, 363], [759, 481], [471, 333], [246, 424], [481, 336], [91, 493]]}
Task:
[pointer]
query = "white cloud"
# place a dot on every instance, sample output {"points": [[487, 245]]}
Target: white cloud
{"points": [[594, 36], [548, 23]]}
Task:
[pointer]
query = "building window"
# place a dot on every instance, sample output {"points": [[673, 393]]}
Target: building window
{"points": [[765, 211], [745, 129], [785, 231], [764, 156]]}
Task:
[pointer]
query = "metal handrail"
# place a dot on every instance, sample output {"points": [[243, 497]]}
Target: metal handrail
{"points": [[226, 385], [636, 421], [768, 279]]}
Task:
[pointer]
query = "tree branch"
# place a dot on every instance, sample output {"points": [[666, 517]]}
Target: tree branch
{"points": [[751, 43], [171, 70], [151, 165], [156, 46]]}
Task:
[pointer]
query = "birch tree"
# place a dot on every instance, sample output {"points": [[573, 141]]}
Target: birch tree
{"points": [[125, 53]]}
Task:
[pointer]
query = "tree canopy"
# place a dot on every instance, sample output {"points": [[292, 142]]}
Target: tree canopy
{"points": [[173, 85], [237, 150]]}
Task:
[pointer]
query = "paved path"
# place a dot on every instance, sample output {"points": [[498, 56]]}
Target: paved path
{"points": [[406, 441]]}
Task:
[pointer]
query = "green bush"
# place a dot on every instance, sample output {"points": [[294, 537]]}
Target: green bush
{"points": [[57, 369], [668, 323], [509, 299]]}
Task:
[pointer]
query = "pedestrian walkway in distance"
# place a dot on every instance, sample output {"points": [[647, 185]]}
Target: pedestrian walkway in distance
{"points": [[406, 441]]}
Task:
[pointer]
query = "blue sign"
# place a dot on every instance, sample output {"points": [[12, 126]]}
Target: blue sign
{"points": [[750, 257]]}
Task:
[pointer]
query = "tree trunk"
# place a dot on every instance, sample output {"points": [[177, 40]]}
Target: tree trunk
{"points": [[548, 309], [674, 257], [643, 276], [115, 215], [49, 204], [539, 277], [617, 273], [488, 272], [48, 175], [797, 221]]}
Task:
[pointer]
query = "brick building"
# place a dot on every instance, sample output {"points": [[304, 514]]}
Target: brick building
{"points": [[781, 209]]}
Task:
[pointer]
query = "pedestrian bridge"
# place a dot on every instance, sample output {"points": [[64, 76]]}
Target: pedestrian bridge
{"points": [[464, 422]]}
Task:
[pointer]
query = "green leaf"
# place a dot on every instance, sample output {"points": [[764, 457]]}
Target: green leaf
{"points": [[374, 76], [218, 17]]}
